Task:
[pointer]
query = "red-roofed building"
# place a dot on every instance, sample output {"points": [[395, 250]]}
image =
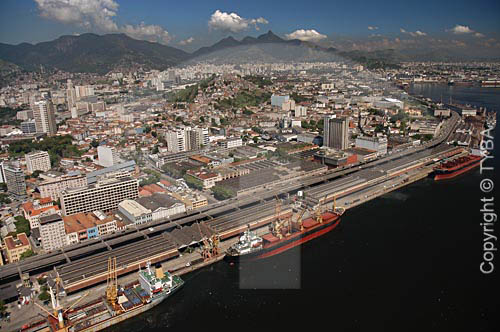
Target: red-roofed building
{"points": [[16, 246], [33, 212]]}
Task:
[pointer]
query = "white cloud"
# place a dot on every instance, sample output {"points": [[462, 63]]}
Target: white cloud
{"points": [[417, 33], [187, 41], [233, 22], [478, 35], [372, 28], [306, 35], [461, 29], [98, 15]]}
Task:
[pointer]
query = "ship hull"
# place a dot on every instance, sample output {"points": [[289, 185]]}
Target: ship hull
{"points": [[286, 243], [451, 172], [128, 314]]}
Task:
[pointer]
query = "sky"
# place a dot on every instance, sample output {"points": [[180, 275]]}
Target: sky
{"points": [[190, 24]]}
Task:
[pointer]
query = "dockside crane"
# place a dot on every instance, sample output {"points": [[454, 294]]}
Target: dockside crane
{"points": [[58, 313], [112, 282]]}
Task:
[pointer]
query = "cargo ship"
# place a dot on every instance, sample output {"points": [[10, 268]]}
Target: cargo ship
{"points": [[118, 304], [453, 168], [283, 235], [490, 83]]}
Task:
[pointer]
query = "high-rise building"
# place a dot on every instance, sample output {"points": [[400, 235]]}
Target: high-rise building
{"points": [[108, 156], [2, 172], [197, 137], [70, 95], [336, 132], [45, 119], [176, 141], [186, 139], [84, 91], [52, 232], [105, 195], [37, 161], [14, 177]]}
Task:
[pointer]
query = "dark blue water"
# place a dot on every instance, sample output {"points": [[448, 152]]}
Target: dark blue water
{"points": [[407, 261]]}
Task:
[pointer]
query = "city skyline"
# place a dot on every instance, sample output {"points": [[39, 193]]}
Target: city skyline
{"points": [[356, 25]]}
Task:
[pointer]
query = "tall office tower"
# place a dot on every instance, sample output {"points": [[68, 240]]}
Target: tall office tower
{"points": [[45, 119], [104, 195], [107, 156], [336, 132], [14, 177], [176, 141], [70, 95], [37, 161], [52, 232]]}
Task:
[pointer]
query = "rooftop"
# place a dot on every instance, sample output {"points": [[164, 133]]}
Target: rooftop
{"points": [[134, 208]]}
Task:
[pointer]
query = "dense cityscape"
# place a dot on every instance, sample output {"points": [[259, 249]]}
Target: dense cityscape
{"points": [[116, 185]]}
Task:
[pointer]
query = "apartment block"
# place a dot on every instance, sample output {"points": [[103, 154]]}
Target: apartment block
{"points": [[14, 177], [54, 185], [52, 232], [105, 195], [37, 161]]}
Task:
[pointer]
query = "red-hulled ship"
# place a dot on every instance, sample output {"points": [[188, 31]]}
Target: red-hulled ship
{"points": [[283, 235], [453, 168]]}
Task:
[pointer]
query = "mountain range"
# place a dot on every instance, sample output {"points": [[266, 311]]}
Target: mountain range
{"points": [[103, 53]]}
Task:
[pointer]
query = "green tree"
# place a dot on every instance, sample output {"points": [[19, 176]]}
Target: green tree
{"points": [[193, 182], [221, 193], [2, 306], [22, 225], [94, 143], [27, 253], [44, 296]]}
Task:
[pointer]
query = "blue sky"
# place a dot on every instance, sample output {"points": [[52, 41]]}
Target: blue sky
{"points": [[193, 23]]}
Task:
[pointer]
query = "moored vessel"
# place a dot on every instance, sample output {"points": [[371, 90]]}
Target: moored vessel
{"points": [[453, 168], [284, 235], [118, 304]]}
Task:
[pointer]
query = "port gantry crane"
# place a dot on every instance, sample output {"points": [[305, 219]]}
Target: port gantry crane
{"points": [[59, 312], [112, 282]]}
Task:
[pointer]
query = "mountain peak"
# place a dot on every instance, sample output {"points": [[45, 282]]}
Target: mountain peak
{"points": [[269, 37]]}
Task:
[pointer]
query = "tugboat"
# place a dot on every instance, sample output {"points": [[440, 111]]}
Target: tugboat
{"points": [[284, 235]]}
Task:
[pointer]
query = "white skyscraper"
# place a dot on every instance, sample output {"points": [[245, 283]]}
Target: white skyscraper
{"points": [[107, 156]]}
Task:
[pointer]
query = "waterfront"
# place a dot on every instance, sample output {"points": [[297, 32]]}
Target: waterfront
{"points": [[408, 260]]}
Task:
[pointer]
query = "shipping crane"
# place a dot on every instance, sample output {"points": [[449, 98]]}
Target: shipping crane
{"points": [[299, 218], [58, 313], [112, 282]]}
